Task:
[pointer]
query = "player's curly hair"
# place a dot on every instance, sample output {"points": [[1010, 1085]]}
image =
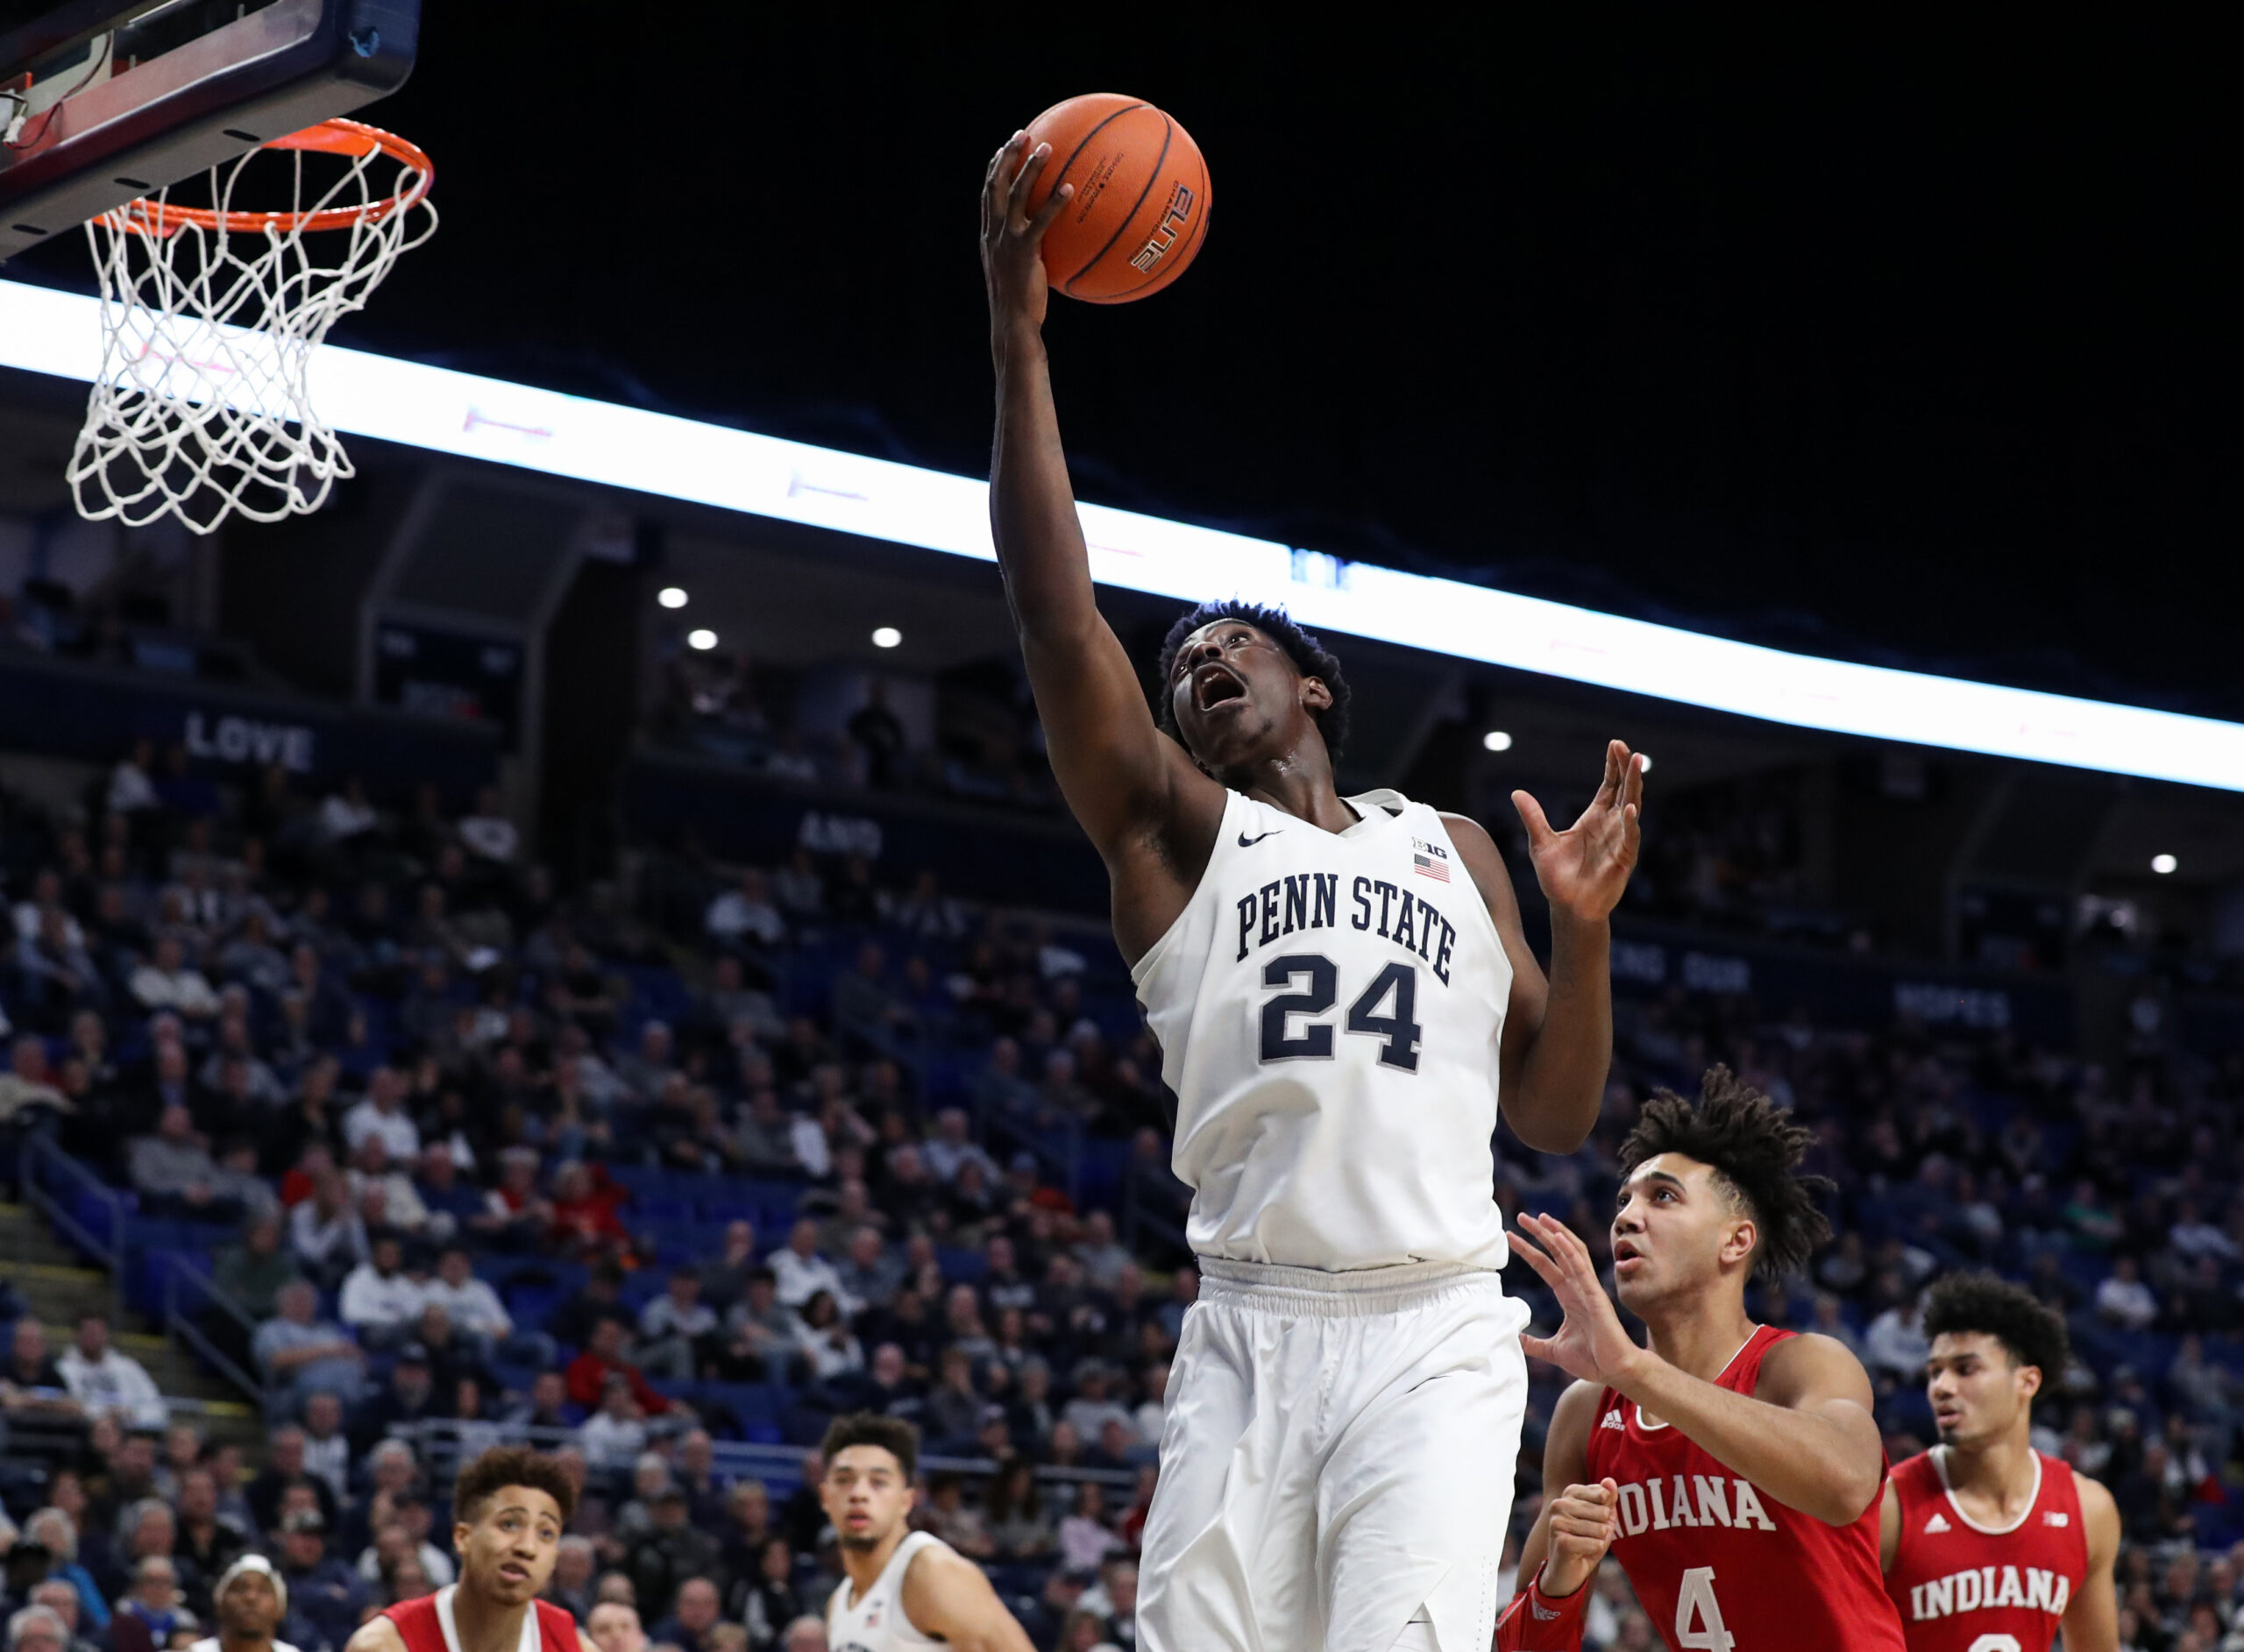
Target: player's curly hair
{"points": [[504, 1465], [1754, 1148], [898, 1438], [1311, 658], [2031, 1333]]}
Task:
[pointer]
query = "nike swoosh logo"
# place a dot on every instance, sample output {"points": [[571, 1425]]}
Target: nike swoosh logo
{"points": [[1245, 842]]}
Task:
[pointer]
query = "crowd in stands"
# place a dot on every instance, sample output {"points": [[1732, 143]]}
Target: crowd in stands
{"points": [[468, 1160]]}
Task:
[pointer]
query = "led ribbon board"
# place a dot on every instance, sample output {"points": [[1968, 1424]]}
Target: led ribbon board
{"points": [[488, 419]]}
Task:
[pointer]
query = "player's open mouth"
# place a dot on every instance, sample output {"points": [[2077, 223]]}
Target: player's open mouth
{"points": [[1213, 685], [514, 1574]]}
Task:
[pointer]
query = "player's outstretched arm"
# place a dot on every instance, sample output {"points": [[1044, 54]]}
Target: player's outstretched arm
{"points": [[2091, 1621], [1132, 788], [1806, 1437], [948, 1595], [1558, 1041]]}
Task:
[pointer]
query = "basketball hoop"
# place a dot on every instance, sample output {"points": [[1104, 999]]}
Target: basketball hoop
{"points": [[209, 318]]}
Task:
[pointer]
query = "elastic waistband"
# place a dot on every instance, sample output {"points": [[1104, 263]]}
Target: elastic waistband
{"points": [[1313, 1290]]}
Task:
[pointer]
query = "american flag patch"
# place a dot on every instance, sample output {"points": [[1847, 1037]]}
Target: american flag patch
{"points": [[1426, 866]]}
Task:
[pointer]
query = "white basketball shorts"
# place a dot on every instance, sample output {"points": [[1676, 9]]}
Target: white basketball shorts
{"points": [[1337, 1461]]}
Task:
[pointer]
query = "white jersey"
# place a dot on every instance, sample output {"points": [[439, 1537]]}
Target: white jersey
{"points": [[1329, 1008], [877, 1623]]}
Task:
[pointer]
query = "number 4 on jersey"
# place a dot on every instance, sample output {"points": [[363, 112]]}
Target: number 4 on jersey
{"points": [[1698, 1626], [1398, 1032]]}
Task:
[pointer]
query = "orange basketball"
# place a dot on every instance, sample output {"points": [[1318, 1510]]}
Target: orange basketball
{"points": [[1140, 211]]}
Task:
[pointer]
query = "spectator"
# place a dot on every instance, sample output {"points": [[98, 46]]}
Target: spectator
{"points": [[57, 1532], [327, 1455], [745, 916], [155, 1604], [604, 1358], [486, 832], [800, 1270], [477, 1314], [204, 1544], [62, 1599], [409, 1399], [2123, 1301], [323, 1589], [325, 1233], [670, 1566], [301, 1355], [1012, 1513], [724, 1278], [380, 1190], [383, 1113], [950, 1147], [674, 1327], [253, 1268], [107, 1383], [824, 1340], [1895, 1345], [1102, 1256], [381, 1302], [166, 981], [768, 1599], [36, 1629], [171, 1170], [1085, 1538], [613, 1626], [572, 1586]]}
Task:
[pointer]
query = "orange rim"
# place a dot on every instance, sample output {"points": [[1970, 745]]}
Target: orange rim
{"points": [[333, 138]]}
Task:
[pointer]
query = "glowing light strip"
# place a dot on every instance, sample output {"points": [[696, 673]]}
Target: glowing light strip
{"points": [[488, 419]]}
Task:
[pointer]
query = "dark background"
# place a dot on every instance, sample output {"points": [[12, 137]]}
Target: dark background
{"points": [[1916, 345]]}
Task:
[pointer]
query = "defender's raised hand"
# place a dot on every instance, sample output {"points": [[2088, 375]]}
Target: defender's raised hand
{"points": [[1590, 1344], [1012, 260], [1584, 869]]}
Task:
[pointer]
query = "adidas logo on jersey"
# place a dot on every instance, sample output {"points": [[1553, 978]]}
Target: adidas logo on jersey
{"points": [[2056, 1517], [1938, 1523], [1612, 1420]]}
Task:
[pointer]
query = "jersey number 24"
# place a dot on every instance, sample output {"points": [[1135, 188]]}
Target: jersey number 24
{"points": [[1398, 1031]]}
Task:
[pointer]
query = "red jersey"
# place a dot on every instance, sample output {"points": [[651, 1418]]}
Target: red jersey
{"points": [[1720, 1564], [426, 1625], [1960, 1585]]}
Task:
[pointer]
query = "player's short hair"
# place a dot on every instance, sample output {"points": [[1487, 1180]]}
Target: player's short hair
{"points": [[504, 1465], [1309, 656], [893, 1434], [2031, 1333], [1754, 1148]]}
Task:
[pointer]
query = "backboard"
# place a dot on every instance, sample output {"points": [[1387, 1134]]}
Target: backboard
{"points": [[105, 101]]}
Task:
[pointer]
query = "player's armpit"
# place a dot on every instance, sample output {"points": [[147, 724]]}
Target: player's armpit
{"points": [[948, 1595], [2092, 1621], [375, 1635]]}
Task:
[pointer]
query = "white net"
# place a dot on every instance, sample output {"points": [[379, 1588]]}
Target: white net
{"points": [[211, 317]]}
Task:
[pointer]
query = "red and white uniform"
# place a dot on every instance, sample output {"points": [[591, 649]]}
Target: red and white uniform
{"points": [[426, 1625], [1965, 1587], [1720, 1564]]}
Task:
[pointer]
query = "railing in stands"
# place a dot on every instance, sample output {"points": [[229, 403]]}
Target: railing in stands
{"points": [[190, 1298], [439, 1441], [84, 1209]]}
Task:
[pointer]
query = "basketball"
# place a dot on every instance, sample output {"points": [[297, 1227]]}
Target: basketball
{"points": [[1139, 212]]}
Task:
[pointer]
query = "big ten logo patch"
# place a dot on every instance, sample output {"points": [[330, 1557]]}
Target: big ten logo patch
{"points": [[1165, 233]]}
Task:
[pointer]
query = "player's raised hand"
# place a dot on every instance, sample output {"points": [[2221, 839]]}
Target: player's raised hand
{"points": [[1589, 1342], [1012, 260], [1584, 1521], [1584, 869]]}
